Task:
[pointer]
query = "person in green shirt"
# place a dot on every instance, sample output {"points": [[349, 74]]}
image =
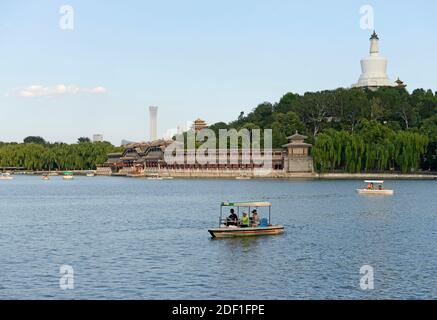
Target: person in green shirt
{"points": [[245, 221]]}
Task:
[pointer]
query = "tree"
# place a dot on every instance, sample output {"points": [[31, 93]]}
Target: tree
{"points": [[34, 139], [313, 109], [286, 103], [376, 109], [355, 106], [57, 156], [83, 140], [424, 103], [241, 116], [355, 129], [262, 116], [285, 125], [374, 147]]}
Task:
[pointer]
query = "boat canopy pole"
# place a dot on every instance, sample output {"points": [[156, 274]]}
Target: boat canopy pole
{"points": [[270, 215]]}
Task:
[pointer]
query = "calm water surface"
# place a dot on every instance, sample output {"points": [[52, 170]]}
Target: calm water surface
{"points": [[142, 239]]}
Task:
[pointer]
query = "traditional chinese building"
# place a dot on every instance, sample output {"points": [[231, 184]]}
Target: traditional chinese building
{"points": [[297, 157], [137, 158], [400, 84], [199, 124]]}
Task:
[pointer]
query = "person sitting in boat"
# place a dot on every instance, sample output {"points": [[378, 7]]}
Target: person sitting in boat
{"points": [[232, 220], [254, 219], [370, 186], [380, 187], [245, 221]]}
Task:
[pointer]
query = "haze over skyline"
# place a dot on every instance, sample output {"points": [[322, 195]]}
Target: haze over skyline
{"points": [[192, 59]]}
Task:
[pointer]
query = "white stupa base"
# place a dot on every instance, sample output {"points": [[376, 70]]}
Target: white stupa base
{"points": [[374, 83]]}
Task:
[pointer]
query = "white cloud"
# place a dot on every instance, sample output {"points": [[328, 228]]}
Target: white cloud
{"points": [[35, 91], [96, 90]]}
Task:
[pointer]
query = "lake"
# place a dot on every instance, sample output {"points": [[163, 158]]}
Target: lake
{"points": [[143, 239]]}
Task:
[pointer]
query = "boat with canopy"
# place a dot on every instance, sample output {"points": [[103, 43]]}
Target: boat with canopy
{"points": [[244, 225], [68, 175], [6, 176], [375, 187]]}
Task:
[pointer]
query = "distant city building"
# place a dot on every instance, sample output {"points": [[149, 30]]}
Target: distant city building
{"points": [[199, 124], [153, 123], [98, 138], [374, 69]]}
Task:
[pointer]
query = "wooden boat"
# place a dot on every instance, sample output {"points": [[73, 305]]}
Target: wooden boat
{"points": [[233, 232], [6, 176], [68, 175], [371, 190], [232, 229]]}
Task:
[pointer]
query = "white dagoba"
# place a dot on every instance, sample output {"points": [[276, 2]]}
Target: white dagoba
{"points": [[374, 68]]}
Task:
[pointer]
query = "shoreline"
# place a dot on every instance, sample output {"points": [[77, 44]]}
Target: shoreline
{"points": [[290, 176], [232, 175]]}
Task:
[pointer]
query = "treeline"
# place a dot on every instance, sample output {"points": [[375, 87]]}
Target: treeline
{"points": [[342, 123], [373, 147], [36, 154]]}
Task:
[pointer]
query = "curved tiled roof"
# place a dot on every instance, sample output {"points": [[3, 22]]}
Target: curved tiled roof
{"points": [[297, 136], [297, 145]]}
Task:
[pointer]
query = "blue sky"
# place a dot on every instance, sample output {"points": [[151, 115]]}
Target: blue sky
{"points": [[208, 59]]}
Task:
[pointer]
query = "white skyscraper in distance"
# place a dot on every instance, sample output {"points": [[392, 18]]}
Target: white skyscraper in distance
{"points": [[153, 118], [98, 138]]}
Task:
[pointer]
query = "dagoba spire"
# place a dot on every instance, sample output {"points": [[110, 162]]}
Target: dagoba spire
{"points": [[374, 44]]}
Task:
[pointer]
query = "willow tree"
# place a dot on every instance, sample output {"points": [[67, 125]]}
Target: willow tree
{"points": [[60, 156], [322, 152], [410, 148], [374, 148]]}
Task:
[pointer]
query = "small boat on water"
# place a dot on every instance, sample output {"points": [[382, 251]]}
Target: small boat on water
{"points": [[90, 174], [375, 191], [243, 178], [234, 226], [6, 176], [45, 177], [154, 176], [68, 175]]}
